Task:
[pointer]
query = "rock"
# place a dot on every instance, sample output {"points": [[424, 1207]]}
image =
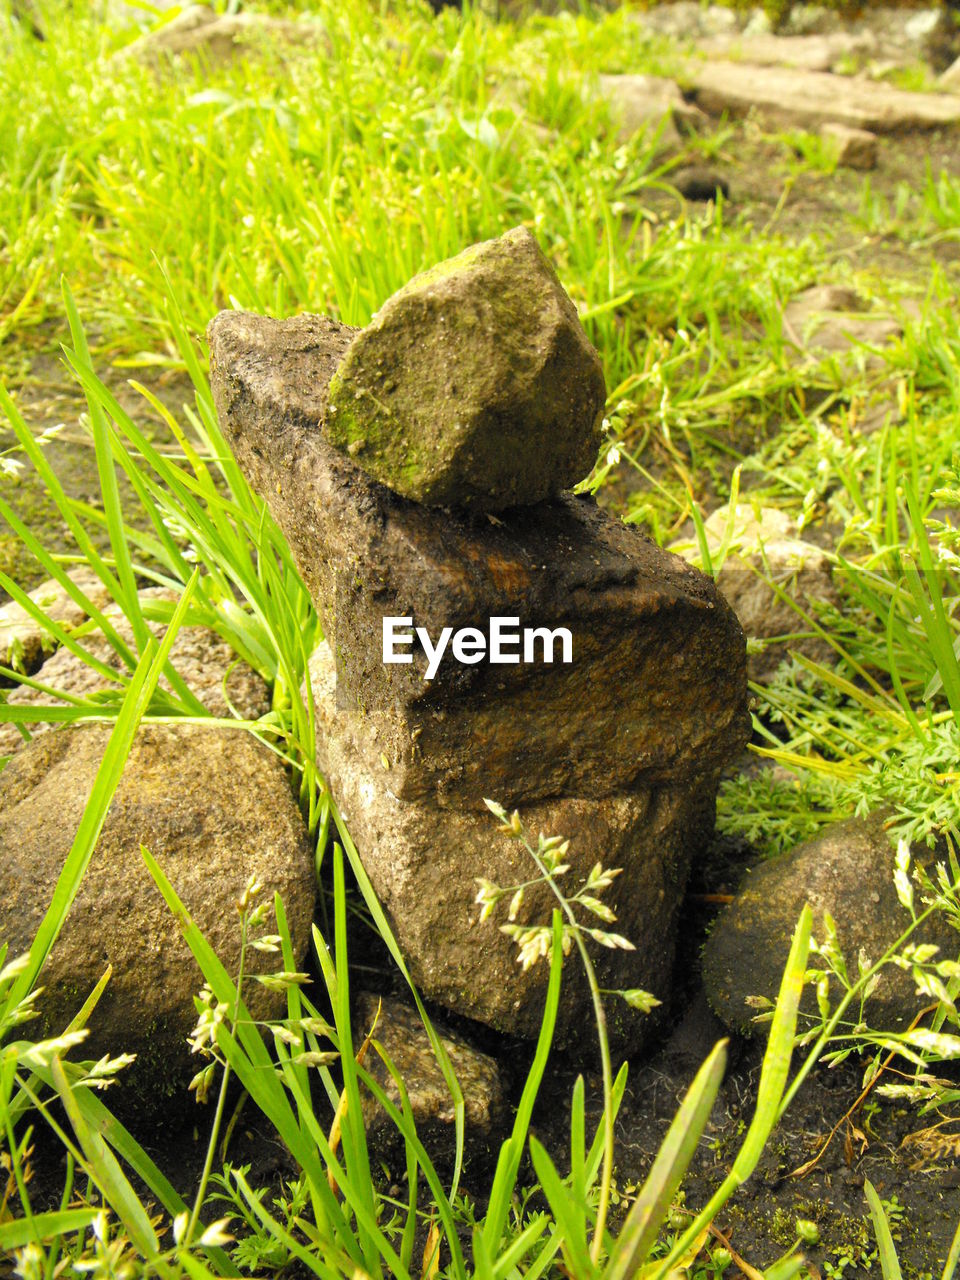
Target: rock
{"points": [[697, 182], [423, 863], [856, 148], [199, 655], [640, 102], [829, 321], [200, 32], [848, 871], [23, 641], [808, 99], [897, 33], [950, 79], [398, 1030], [214, 807], [619, 716], [474, 385], [805, 53], [767, 548]]}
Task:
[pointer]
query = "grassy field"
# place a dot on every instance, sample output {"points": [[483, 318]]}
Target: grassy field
{"points": [[135, 202]]}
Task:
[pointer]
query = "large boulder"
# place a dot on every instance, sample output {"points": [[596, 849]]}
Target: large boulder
{"points": [[654, 694], [848, 871], [214, 807], [424, 864], [475, 384]]}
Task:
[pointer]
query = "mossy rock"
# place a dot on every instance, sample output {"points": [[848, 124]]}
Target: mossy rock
{"points": [[475, 385]]}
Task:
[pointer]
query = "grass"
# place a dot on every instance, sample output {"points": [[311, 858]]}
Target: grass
{"points": [[323, 181]]}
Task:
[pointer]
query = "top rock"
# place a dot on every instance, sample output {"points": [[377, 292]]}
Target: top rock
{"points": [[475, 385]]}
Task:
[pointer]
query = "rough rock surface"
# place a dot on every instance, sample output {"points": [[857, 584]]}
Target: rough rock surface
{"points": [[848, 871], [201, 32], [198, 655], [641, 102], [805, 53], [766, 548], [24, 642], [474, 385], [812, 98], [654, 693], [423, 863], [401, 1034], [831, 320], [856, 148], [214, 807]]}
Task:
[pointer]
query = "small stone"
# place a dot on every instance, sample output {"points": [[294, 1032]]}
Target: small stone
{"points": [[641, 103], [214, 807], [856, 148], [830, 321], [525, 422], [745, 953], [206, 663], [766, 549], [220, 38], [24, 642], [398, 1029]]}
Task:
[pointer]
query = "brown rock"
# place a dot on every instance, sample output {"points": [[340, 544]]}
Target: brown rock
{"points": [[655, 693], [24, 642], [214, 807], [211, 670], [848, 871], [398, 1030], [856, 148], [474, 385], [830, 321], [424, 862], [641, 102]]}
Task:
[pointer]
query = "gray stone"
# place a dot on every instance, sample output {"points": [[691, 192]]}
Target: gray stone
{"points": [[214, 807], [641, 103], [423, 863], [474, 385], [809, 99], [806, 53], [856, 148], [829, 322], [398, 1030], [198, 31], [24, 642], [769, 566], [848, 871], [655, 692], [225, 684]]}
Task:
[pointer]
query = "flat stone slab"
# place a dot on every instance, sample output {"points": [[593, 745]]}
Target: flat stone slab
{"points": [[656, 690], [806, 53], [813, 98], [474, 385]]}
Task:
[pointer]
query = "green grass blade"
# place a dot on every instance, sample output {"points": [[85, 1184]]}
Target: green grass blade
{"points": [[889, 1262]]}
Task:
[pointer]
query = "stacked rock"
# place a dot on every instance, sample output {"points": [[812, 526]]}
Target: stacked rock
{"points": [[417, 468]]}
